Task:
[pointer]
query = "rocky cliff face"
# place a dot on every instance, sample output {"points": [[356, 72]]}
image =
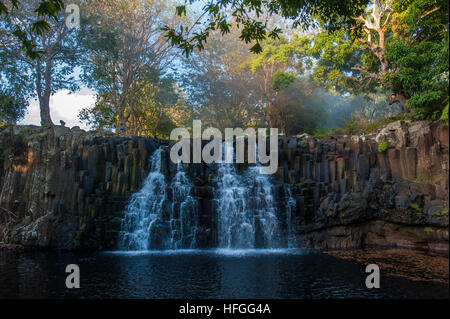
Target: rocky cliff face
{"points": [[350, 192], [68, 189]]}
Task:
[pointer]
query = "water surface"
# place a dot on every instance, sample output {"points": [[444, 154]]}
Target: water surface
{"points": [[223, 273]]}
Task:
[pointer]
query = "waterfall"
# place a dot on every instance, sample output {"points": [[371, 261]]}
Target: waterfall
{"points": [[150, 222], [164, 215], [236, 228], [290, 204], [184, 213], [246, 211], [144, 208]]}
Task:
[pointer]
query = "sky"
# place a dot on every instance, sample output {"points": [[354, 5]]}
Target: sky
{"points": [[63, 106]]}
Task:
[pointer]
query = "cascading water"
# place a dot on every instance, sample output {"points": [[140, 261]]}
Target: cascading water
{"points": [[144, 208], [236, 227], [164, 215], [290, 206], [184, 216], [247, 215], [150, 222]]}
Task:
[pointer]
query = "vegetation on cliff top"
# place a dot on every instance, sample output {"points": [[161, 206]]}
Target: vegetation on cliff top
{"points": [[157, 65]]}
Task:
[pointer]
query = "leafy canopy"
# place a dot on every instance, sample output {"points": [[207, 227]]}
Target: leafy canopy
{"points": [[250, 17], [46, 9]]}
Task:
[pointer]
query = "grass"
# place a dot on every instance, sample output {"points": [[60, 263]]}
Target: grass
{"points": [[354, 127]]}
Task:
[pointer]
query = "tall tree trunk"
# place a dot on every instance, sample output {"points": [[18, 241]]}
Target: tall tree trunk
{"points": [[44, 105], [44, 93], [122, 121]]}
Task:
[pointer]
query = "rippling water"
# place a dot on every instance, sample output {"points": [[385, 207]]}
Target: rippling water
{"points": [[223, 273]]}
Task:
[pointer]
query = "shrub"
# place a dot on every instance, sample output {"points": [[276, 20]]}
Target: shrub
{"points": [[383, 146]]}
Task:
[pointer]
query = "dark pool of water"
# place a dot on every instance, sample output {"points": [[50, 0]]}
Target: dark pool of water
{"points": [[203, 274]]}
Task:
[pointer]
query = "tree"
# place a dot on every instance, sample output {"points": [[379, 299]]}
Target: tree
{"points": [[220, 15], [156, 109], [403, 50], [51, 71], [230, 87], [12, 108], [298, 108], [273, 63], [125, 53], [46, 9], [419, 53], [221, 92]]}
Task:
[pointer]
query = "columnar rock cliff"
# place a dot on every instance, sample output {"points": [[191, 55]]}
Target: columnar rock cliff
{"points": [[352, 192], [66, 188]]}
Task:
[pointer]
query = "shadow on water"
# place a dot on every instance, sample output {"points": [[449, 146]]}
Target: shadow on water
{"points": [[223, 273]]}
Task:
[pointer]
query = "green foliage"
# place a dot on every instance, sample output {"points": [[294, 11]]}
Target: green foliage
{"points": [[298, 109], [374, 126], [441, 212], [422, 74], [282, 80], [12, 109], [383, 146], [410, 65], [26, 77], [220, 15], [322, 133], [417, 209], [124, 61], [229, 87], [337, 53], [46, 9], [444, 115], [418, 48], [101, 116], [354, 126]]}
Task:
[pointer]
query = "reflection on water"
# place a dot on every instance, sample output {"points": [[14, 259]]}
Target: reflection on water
{"points": [[410, 264], [225, 273]]}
